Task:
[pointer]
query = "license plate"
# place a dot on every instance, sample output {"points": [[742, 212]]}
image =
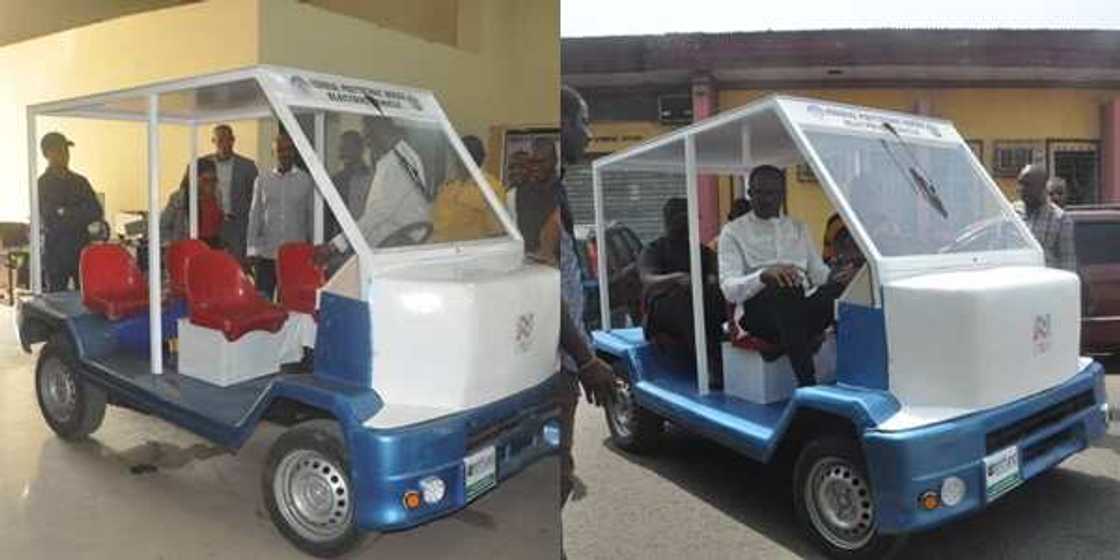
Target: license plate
{"points": [[1001, 472], [481, 472]]}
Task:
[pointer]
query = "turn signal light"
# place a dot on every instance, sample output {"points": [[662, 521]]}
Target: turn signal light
{"points": [[412, 499], [929, 500]]}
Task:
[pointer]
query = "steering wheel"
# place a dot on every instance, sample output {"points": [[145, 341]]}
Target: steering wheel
{"points": [[981, 235], [411, 234]]}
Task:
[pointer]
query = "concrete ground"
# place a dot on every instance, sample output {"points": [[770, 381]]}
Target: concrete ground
{"points": [[696, 500], [63, 500]]}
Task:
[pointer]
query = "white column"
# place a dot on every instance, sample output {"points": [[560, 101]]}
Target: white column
{"points": [[36, 223], [321, 149], [192, 193], [602, 249], [155, 311], [697, 275]]}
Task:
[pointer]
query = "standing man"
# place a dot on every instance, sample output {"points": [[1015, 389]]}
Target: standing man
{"points": [[580, 365], [67, 207], [236, 175], [768, 263], [1058, 191], [352, 181], [1049, 224], [281, 212]]}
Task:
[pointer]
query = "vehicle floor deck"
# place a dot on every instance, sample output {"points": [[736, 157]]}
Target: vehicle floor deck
{"points": [[671, 382], [225, 405]]}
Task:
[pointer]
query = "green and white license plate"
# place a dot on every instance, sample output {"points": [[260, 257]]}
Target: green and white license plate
{"points": [[1001, 472], [480, 472]]}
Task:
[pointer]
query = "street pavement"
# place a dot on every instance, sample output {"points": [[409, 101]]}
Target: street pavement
{"points": [[696, 500]]}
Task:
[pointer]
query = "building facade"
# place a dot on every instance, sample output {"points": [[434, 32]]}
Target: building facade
{"points": [[1016, 96]]}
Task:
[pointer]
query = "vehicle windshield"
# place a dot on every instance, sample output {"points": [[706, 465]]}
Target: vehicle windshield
{"points": [[917, 197], [403, 181]]}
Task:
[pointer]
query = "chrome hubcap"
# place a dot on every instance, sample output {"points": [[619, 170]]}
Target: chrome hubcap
{"points": [[839, 503], [58, 390], [622, 408], [313, 495]]}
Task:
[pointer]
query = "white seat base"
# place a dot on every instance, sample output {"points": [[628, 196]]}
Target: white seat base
{"points": [[206, 355], [747, 376]]}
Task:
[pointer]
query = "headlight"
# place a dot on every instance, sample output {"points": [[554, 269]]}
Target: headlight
{"points": [[952, 491], [551, 433], [433, 489]]}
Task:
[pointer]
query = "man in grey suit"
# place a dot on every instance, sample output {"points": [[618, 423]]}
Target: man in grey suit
{"points": [[236, 175]]}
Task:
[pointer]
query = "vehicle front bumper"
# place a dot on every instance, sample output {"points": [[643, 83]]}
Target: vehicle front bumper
{"points": [[1047, 428], [387, 463]]}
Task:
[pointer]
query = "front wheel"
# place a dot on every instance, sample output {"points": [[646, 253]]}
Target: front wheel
{"points": [[833, 499], [308, 491], [72, 406], [632, 427]]}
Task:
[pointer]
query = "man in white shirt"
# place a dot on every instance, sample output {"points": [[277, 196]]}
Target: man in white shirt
{"points": [[399, 198], [281, 212], [768, 263]]}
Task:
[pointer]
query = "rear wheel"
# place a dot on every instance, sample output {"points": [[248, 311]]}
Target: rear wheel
{"points": [[72, 406], [834, 502], [308, 491], [632, 427]]}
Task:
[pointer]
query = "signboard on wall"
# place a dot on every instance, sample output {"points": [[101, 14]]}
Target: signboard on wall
{"points": [[518, 147]]}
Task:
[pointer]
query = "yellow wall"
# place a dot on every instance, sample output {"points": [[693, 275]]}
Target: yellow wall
{"points": [[511, 80], [24, 20], [979, 114], [124, 52], [499, 68]]}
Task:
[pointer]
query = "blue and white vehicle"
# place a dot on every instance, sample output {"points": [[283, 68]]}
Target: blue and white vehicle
{"points": [[952, 374], [433, 363]]}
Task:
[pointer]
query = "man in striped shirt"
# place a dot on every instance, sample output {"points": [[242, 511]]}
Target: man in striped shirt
{"points": [[1049, 224]]}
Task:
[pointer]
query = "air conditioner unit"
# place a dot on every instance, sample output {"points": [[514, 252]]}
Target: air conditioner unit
{"points": [[674, 109]]}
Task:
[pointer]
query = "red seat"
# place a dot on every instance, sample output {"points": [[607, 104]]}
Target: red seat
{"points": [[745, 340], [220, 296], [178, 254], [112, 283], [298, 278]]}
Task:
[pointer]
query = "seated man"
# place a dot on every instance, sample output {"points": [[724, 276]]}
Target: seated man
{"points": [[667, 293], [768, 264]]}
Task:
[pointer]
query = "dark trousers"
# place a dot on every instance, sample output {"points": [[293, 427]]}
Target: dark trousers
{"points": [[567, 399], [265, 272], [59, 276], [794, 321], [670, 314]]}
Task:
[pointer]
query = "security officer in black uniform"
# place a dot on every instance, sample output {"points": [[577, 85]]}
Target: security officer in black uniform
{"points": [[67, 207]]}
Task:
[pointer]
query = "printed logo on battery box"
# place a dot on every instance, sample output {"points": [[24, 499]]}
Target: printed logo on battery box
{"points": [[524, 332], [1041, 336]]}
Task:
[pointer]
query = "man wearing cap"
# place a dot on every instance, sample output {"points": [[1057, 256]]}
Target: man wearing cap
{"points": [[67, 207]]}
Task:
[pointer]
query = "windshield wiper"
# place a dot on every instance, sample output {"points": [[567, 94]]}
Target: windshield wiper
{"points": [[921, 183]]}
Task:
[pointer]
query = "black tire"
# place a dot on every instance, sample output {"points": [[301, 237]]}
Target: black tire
{"points": [[72, 406], [839, 460], [633, 429], [315, 450]]}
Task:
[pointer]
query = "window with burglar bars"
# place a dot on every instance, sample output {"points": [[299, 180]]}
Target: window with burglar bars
{"points": [[1009, 156]]}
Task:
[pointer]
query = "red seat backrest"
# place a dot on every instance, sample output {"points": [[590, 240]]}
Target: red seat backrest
{"points": [[108, 270], [215, 278], [178, 255], [298, 277]]}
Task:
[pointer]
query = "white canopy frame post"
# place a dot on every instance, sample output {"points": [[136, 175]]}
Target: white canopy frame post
{"points": [[322, 179], [601, 244], [155, 307], [192, 193], [321, 150], [696, 276], [36, 221]]}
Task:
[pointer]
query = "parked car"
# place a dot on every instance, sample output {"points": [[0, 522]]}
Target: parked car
{"points": [[1097, 238], [624, 248]]}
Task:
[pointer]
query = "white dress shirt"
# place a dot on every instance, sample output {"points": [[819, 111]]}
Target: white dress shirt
{"points": [[749, 244], [396, 198], [281, 212], [225, 183]]}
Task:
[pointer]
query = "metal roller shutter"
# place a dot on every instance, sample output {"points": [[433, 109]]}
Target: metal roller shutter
{"points": [[631, 198]]}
